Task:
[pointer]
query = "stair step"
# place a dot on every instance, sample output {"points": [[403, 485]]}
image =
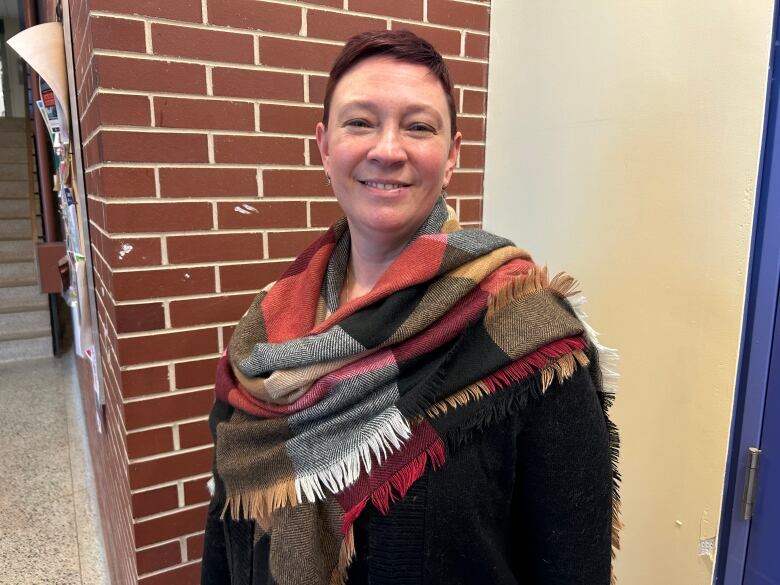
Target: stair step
{"points": [[19, 295], [23, 325], [15, 208], [9, 124], [14, 139], [14, 189], [25, 349], [13, 154], [13, 250], [13, 172], [17, 272], [31, 305], [17, 228]]}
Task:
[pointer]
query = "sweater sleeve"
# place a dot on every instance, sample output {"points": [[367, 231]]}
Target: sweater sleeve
{"points": [[563, 499]]}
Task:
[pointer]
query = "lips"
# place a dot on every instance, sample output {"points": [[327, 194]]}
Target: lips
{"points": [[384, 185]]}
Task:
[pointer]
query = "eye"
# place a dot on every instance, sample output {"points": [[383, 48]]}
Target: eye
{"points": [[357, 123], [421, 127]]}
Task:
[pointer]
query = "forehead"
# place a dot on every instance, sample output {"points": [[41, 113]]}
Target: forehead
{"points": [[389, 81]]}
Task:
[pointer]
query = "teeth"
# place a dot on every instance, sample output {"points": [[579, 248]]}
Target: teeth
{"points": [[384, 186]]}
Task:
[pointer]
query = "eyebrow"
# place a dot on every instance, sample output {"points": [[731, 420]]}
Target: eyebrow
{"points": [[413, 109]]}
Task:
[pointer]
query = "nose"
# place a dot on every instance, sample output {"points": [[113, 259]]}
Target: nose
{"points": [[388, 149]]}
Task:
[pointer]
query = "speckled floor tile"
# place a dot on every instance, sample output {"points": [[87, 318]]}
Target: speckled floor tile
{"points": [[50, 532]]}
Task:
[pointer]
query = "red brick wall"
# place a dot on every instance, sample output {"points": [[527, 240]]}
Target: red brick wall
{"points": [[204, 181]]}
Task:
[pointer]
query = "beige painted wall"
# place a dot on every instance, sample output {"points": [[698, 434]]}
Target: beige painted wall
{"points": [[623, 142]]}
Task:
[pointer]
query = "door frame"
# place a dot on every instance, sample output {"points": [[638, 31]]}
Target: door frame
{"points": [[757, 333]]}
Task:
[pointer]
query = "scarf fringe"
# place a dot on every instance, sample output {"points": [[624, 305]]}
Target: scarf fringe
{"points": [[608, 360], [395, 488], [346, 555], [561, 367], [535, 280], [260, 503], [386, 437]]}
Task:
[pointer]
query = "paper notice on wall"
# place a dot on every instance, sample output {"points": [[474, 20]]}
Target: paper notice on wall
{"points": [[43, 47], [89, 353]]}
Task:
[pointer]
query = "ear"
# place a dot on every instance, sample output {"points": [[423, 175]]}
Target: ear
{"points": [[452, 157], [322, 143]]}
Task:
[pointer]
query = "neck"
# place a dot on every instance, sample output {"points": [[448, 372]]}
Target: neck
{"points": [[368, 260]]}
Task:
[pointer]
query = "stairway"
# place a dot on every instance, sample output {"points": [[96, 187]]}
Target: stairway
{"points": [[25, 330]]}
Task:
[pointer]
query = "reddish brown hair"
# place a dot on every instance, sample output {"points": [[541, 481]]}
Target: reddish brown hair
{"points": [[402, 45]]}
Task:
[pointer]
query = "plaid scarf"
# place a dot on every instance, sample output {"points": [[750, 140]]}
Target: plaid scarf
{"points": [[337, 406]]}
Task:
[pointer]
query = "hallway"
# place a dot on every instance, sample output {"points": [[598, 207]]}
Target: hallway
{"points": [[50, 531]]}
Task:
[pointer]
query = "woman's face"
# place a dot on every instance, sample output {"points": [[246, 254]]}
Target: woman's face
{"points": [[387, 147]]}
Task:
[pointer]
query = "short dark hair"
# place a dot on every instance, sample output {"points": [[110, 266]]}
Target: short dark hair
{"points": [[402, 45]]}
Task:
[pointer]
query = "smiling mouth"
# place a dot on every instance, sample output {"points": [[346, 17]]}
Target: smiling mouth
{"points": [[383, 186]]}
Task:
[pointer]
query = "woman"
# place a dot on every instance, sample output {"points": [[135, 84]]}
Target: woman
{"points": [[410, 402]]}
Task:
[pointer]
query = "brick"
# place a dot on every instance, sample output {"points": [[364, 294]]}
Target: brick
{"points": [[473, 129], [154, 501], [477, 46], [465, 184], [208, 182], [474, 102], [249, 277], [261, 214], [218, 309], [468, 72], [227, 333], [123, 182], [195, 546], [195, 492], [143, 284], [458, 14], [176, 406], [182, 575], [151, 442], [324, 213], [194, 434], [315, 159], [121, 110], [472, 156], [258, 150], [207, 45], [144, 317], [196, 114], [337, 26], [248, 83], [289, 119], [317, 86], [164, 346], [131, 252], [185, 10], [411, 9], [195, 373], [470, 210], [250, 14], [333, 3], [290, 244], [163, 469], [447, 42], [144, 381], [149, 75], [214, 248], [118, 34], [291, 183], [296, 54], [157, 558], [153, 147], [158, 217]]}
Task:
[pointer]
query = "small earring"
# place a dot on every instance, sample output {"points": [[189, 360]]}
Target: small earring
{"points": [[444, 190], [327, 179]]}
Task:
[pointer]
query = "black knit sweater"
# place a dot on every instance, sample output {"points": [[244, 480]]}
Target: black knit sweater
{"points": [[527, 501]]}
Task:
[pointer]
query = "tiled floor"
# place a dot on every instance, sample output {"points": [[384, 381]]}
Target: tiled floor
{"points": [[49, 524]]}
